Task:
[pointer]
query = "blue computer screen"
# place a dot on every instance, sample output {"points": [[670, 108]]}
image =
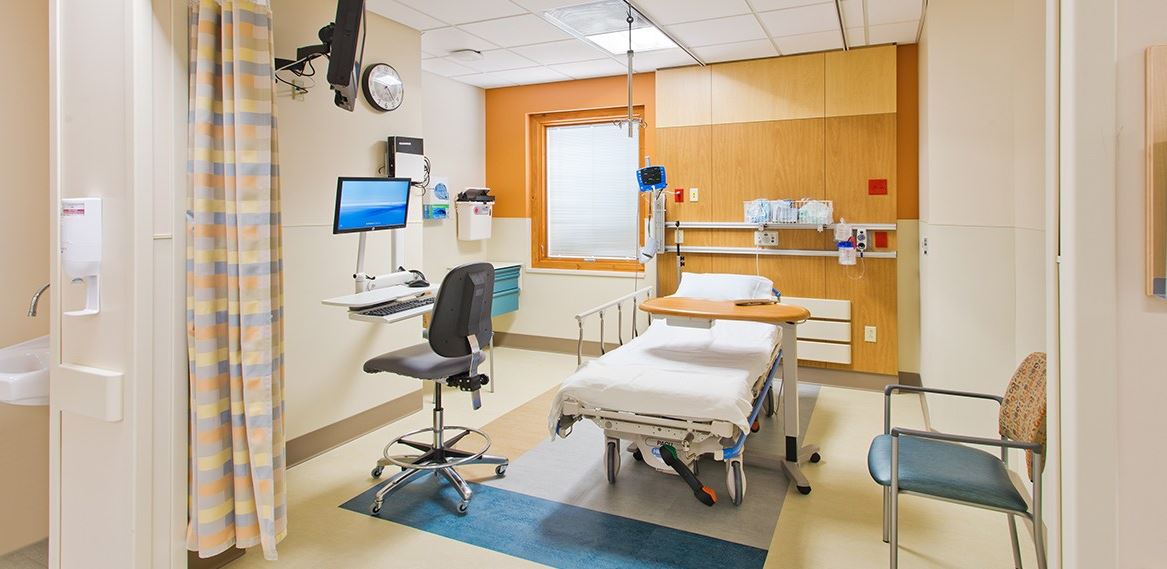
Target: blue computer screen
{"points": [[366, 204]]}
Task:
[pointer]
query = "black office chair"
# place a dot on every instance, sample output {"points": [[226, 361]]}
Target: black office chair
{"points": [[459, 327]]}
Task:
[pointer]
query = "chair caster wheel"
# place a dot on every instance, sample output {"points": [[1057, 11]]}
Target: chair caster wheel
{"points": [[376, 473], [500, 470], [816, 457], [376, 509], [463, 507], [804, 490]]}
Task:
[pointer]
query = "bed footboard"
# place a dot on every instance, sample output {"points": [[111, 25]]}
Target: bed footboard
{"points": [[633, 298]]}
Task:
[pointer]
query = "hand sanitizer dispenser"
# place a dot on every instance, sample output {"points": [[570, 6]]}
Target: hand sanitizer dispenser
{"points": [[81, 249]]}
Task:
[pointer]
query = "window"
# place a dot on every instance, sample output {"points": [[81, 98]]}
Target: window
{"points": [[585, 213]]}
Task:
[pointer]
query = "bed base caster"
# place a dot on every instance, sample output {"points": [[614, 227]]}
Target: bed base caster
{"points": [[804, 490], [636, 455], [816, 457], [735, 480], [612, 459]]}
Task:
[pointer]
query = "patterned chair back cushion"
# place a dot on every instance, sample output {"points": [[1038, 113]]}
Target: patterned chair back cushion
{"points": [[1023, 411]]}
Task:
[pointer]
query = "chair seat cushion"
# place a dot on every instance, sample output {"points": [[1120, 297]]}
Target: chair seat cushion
{"points": [[946, 470], [420, 362]]}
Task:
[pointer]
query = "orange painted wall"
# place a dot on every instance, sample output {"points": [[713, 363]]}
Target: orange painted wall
{"points": [[907, 132], [507, 109]]}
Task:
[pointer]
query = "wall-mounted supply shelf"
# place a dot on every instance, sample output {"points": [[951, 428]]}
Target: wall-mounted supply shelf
{"points": [[782, 252], [765, 226]]}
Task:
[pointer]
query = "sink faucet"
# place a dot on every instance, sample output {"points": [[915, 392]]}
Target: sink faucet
{"points": [[36, 298]]}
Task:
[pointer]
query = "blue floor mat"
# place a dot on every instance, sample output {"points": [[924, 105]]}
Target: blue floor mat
{"points": [[552, 533]]}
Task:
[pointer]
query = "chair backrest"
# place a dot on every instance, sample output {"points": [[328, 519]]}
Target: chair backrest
{"points": [[463, 310], [1023, 411]]}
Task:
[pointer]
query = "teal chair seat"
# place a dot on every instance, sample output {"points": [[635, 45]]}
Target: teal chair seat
{"points": [[946, 470]]}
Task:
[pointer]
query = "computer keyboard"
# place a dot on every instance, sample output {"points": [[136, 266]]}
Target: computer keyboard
{"points": [[398, 306]]}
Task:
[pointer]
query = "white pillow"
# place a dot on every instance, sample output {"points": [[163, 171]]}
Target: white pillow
{"points": [[724, 287]]}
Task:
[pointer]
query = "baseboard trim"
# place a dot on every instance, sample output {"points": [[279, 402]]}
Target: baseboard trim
{"points": [[324, 439], [591, 348], [193, 561], [845, 378]]}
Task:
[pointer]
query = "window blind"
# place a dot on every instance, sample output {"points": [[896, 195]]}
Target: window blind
{"points": [[592, 191]]}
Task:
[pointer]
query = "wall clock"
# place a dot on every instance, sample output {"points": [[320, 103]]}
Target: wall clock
{"points": [[383, 87]]}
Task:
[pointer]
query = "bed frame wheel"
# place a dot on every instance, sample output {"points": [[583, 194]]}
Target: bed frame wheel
{"points": [[815, 458], [735, 480], [612, 459], [804, 490], [637, 455]]}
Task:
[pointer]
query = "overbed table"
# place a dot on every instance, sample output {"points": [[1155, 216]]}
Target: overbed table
{"points": [[783, 315]]}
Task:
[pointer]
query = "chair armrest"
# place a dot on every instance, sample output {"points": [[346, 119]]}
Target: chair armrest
{"points": [[952, 438], [891, 389]]}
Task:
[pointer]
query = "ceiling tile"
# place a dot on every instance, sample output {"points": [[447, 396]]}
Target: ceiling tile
{"points": [[445, 67], [853, 13], [737, 51], [531, 76], [516, 30], [498, 60], [462, 11], [540, 6], [820, 41], [721, 30], [595, 68], [404, 14], [801, 21], [767, 5], [856, 37], [902, 32], [665, 12], [484, 80], [892, 11], [441, 42], [566, 51], [653, 60]]}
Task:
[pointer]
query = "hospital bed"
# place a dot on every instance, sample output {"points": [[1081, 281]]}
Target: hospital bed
{"points": [[690, 385]]}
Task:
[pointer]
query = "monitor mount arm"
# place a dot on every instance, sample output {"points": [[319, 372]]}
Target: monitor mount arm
{"points": [[365, 282], [308, 53]]}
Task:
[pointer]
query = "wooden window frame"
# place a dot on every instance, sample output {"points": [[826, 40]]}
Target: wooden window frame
{"points": [[537, 164]]}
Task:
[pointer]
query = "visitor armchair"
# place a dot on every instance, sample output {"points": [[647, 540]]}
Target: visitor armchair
{"points": [[937, 465], [459, 326]]}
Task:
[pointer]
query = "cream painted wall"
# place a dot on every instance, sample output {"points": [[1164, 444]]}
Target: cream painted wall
{"points": [[454, 120], [24, 230], [318, 142], [1142, 321], [981, 200]]}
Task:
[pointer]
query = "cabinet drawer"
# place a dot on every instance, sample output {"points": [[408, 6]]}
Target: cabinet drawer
{"points": [[505, 302], [506, 279]]}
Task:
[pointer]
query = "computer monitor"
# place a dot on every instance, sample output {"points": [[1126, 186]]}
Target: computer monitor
{"points": [[370, 204]]}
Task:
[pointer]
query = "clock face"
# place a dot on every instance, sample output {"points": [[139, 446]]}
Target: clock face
{"points": [[383, 87]]}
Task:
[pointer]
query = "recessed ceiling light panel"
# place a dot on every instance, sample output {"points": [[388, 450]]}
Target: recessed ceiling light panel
{"points": [[605, 24]]}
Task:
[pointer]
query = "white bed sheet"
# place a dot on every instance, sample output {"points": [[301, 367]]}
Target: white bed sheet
{"points": [[704, 374]]}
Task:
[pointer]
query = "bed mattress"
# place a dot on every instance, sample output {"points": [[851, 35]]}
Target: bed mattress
{"points": [[689, 373]]}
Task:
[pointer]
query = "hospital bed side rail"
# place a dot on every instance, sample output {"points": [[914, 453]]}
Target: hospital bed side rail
{"points": [[618, 303]]}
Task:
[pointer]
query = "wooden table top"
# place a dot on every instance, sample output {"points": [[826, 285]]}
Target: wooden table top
{"points": [[704, 309]]}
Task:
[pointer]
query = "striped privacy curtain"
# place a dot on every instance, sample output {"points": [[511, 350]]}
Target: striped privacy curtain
{"points": [[234, 272]]}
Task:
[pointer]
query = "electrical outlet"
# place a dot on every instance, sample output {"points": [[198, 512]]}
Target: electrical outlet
{"points": [[679, 236], [694, 194], [297, 90], [869, 334], [766, 238]]}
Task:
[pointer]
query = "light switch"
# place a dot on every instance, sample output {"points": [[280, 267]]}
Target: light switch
{"points": [[869, 334], [693, 194]]}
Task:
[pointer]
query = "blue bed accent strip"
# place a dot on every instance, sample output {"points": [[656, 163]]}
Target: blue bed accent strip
{"points": [[552, 533]]}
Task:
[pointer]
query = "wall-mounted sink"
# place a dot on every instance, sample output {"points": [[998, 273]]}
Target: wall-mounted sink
{"points": [[24, 373]]}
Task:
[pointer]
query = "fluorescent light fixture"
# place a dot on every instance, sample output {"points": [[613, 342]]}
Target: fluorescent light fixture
{"points": [[605, 25], [643, 39]]}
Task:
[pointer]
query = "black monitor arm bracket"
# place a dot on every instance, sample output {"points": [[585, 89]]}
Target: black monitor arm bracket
{"points": [[308, 53]]}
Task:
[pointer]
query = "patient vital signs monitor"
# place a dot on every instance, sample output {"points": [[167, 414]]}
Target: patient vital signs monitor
{"points": [[370, 204]]}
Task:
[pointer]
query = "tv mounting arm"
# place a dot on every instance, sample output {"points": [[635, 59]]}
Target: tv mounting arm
{"points": [[308, 53]]}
